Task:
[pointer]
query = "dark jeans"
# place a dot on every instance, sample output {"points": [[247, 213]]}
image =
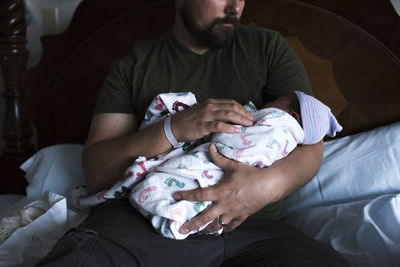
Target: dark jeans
{"points": [[116, 235]]}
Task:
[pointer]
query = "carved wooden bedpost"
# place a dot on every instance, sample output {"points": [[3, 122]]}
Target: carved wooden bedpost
{"points": [[17, 133]]}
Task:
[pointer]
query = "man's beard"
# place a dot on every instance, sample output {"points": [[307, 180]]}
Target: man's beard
{"points": [[213, 36]]}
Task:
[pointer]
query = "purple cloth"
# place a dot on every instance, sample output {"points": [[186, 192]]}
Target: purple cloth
{"points": [[317, 119]]}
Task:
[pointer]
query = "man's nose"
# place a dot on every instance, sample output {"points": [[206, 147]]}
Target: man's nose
{"points": [[233, 7]]}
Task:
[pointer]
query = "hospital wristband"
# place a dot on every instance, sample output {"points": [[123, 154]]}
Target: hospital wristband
{"points": [[168, 133]]}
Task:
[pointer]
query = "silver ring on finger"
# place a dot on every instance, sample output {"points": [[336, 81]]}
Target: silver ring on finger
{"points": [[221, 222]]}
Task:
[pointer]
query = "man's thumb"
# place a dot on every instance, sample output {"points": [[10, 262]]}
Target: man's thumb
{"points": [[218, 158]]}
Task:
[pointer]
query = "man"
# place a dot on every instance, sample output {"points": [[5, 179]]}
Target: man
{"points": [[208, 53]]}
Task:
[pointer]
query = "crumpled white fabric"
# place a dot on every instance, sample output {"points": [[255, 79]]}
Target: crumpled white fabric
{"points": [[31, 242], [22, 217]]}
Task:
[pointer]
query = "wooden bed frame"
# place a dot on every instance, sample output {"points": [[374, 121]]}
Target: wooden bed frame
{"points": [[350, 70]]}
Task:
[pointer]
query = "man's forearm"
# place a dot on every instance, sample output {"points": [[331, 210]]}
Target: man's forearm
{"points": [[112, 147], [106, 161], [295, 170]]}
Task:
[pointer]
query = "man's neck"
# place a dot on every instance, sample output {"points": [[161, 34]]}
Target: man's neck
{"points": [[186, 39]]}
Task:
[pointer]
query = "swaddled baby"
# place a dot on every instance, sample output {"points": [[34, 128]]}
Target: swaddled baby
{"points": [[274, 135]]}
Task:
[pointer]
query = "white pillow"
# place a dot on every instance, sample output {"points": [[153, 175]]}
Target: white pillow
{"points": [[362, 166], [56, 169]]}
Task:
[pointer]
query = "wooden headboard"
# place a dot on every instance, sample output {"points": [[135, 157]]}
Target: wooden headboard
{"points": [[349, 69]]}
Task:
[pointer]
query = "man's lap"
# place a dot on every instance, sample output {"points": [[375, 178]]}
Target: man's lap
{"points": [[115, 234]]}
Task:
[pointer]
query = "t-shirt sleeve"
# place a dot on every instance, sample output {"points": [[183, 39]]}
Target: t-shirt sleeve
{"points": [[115, 94], [285, 71]]}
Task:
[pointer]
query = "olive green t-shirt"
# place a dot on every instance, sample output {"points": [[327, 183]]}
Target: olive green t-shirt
{"points": [[258, 66]]}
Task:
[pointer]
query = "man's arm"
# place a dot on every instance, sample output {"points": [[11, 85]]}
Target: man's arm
{"points": [[114, 141], [245, 190]]}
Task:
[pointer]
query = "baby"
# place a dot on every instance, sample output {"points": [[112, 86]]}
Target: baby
{"points": [[150, 183]]}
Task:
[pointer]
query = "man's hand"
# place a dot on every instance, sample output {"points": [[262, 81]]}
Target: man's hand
{"points": [[243, 191], [213, 115]]}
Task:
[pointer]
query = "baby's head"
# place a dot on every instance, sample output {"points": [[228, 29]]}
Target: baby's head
{"points": [[288, 103], [314, 116]]}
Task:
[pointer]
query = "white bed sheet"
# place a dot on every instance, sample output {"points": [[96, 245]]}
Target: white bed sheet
{"points": [[365, 232]]}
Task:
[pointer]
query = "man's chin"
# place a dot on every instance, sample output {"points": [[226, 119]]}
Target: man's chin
{"points": [[220, 36], [224, 35]]}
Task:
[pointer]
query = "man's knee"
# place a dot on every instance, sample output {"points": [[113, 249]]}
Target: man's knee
{"points": [[71, 249]]}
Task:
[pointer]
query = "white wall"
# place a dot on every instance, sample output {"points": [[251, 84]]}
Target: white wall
{"points": [[1, 110], [33, 16], [396, 5]]}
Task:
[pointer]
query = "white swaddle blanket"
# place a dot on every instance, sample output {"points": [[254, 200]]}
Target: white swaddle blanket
{"points": [[150, 183]]}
